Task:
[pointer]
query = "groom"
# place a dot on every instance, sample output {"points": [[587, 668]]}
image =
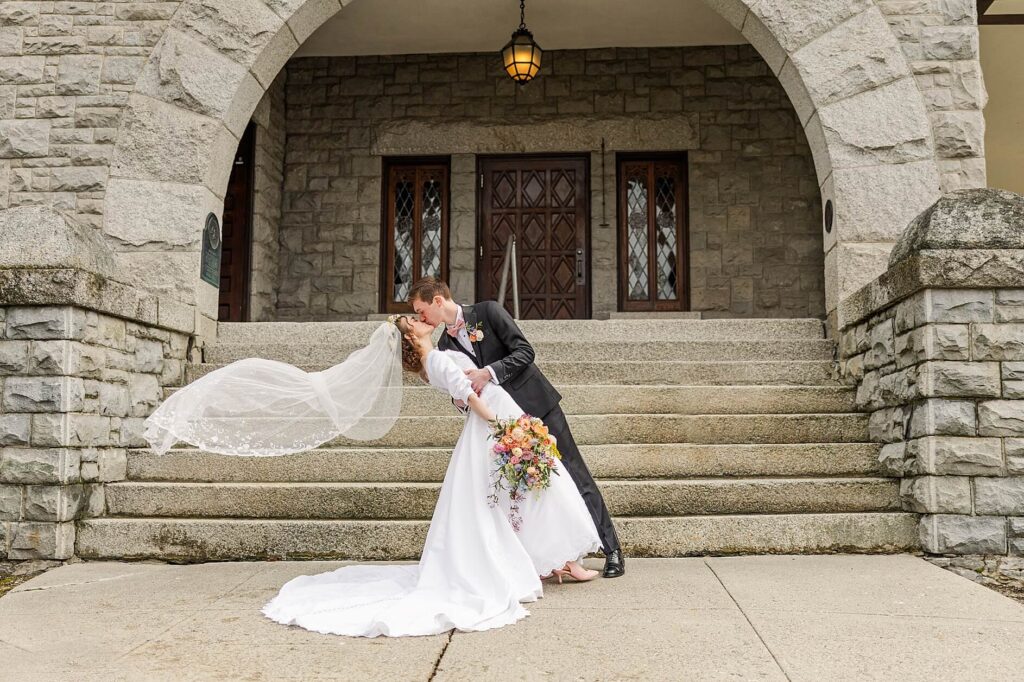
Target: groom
{"points": [[488, 335]]}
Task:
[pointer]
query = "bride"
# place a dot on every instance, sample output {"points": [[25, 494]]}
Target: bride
{"points": [[475, 570]]}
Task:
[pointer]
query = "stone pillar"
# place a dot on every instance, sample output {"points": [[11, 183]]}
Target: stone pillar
{"points": [[83, 360], [936, 346]]}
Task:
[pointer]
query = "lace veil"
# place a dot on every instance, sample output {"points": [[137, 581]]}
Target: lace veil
{"points": [[263, 407]]}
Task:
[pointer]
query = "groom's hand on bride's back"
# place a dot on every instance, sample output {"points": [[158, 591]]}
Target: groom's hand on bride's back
{"points": [[479, 378]]}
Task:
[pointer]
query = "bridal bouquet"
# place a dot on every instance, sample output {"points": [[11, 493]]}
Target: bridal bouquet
{"points": [[525, 455]]}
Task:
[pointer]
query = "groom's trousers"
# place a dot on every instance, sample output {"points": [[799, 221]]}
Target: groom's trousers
{"points": [[573, 461]]}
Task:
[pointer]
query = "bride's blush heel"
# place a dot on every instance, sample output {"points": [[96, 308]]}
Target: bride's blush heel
{"points": [[576, 572]]}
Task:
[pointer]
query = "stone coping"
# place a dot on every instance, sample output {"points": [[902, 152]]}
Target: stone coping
{"points": [[934, 269], [75, 287]]}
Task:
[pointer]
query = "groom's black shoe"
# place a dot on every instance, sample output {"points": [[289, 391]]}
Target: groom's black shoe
{"points": [[614, 564]]}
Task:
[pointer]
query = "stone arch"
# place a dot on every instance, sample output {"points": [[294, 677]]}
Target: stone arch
{"points": [[864, 118], [838, 60]]}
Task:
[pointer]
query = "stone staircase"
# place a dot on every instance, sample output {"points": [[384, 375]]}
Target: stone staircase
{"points": [[706, 437]]}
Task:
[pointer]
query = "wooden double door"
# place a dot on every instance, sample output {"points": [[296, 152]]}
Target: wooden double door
{"points": [[544, 202]]}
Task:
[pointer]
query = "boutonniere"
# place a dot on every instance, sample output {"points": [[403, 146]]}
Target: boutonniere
{"points": [[476, 332]]}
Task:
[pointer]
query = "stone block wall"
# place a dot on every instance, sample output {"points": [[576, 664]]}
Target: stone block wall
{"points": [[81, 79], [75, 388], [942, 373], [940, 41], [756, 245], [268, 178], [66, 70]]}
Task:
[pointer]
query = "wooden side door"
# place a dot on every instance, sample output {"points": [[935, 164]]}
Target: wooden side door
{"points": [[544, 202], [236, 234], [415, 239], [653, 236]]}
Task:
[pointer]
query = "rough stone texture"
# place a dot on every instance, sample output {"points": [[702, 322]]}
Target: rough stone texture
{"points": [[73, 65], [966, 219], [960, 534], [999, 496], [270, 121], [160, 142], [956, 455], [75, 385], [940, 40], [959, 379], [853, 141], [998, 341], [10, 504], [39, 236], [837, 68], [936, 494], [947, 393], [236, 539], [71, 69], [755, 244], [943, 417], [1001, 418]]}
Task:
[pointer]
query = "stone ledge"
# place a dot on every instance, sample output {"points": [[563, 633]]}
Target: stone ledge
{"points": [[74, 287], [934, 269], [968, 239]]}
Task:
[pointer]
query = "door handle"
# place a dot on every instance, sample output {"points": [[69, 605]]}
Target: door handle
{"points": [[581, 271]]}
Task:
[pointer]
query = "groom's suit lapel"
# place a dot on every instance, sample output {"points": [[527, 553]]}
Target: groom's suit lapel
{"points": [[469, 316], [469, 312]]}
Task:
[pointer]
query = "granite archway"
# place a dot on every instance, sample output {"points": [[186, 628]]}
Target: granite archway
{"points": [[838, 60]]}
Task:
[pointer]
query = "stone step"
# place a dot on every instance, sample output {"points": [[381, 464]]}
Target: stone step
{"points": [[672, 460], [197, 540], [417, 500], [427, 401], [642, 372], [766, 330], [653, 315], [666, 315], [562, 350], [443, 431]]}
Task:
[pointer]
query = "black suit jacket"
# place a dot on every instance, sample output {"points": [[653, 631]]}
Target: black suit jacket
{"points": [[505, 349]]}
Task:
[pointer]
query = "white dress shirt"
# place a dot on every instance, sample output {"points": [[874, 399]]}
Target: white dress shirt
{"points": [[463, 339]]}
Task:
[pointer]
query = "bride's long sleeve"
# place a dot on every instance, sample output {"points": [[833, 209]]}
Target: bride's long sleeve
{"points": [[445, 375]]}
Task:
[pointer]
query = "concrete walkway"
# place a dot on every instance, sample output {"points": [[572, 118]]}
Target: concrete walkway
{"points": [[761, 617]]}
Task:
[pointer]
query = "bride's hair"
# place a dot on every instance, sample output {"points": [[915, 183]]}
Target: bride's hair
{"points": [[410, 355]]}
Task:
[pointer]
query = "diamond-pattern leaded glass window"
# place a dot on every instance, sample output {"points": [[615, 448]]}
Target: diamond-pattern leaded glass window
{"points": [[416, 228], [652, 200], [665, 236], [637, 239]]}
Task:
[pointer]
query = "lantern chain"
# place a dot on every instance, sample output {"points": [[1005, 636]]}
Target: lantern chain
{"points": [[522, 14]]}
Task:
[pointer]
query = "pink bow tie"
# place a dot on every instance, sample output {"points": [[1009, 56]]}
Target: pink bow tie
{"points": [[453, 330]]}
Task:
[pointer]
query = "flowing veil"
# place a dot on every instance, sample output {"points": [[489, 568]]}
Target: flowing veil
{"points": [[260, 407]]}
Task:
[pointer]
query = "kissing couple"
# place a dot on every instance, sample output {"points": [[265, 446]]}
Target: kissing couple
{"points": [[476, 570]]}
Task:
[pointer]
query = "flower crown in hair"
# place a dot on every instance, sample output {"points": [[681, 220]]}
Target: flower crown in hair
{"points": [[393, 319]]}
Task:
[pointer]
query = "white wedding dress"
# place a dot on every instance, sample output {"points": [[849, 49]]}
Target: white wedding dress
{"points": [[475, 570]]}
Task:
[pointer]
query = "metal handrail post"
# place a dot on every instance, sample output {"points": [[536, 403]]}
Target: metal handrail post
{"points": [[515, 281], [503, 285]]}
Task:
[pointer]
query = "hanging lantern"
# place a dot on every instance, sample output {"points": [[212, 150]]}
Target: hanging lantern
{"points": [[522, 54]]}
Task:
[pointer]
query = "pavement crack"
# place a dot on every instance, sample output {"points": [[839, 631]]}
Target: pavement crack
{"points": [[188, 616], [437, 663], [73, 584], [15, 646], [750, 622]]}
